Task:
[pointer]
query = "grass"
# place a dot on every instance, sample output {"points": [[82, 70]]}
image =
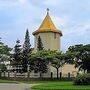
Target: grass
{"points": [[50, 85], [7, 81], [60, 85], [27, 81]]}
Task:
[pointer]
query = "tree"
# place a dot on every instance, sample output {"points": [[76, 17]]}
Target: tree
{"points": [[4, 55], [39, 44], [82, 59], [26, 51], [70, 56], [17, 56], [58, 61], [26, 46], [4, 49], [3, 67], [76, 48], [39, 61]]}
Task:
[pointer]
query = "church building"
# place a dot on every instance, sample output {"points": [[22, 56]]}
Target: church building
{"points": [[51, 39]]}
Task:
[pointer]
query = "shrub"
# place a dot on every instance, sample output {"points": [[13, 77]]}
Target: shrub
{"points": [[82, 79]]}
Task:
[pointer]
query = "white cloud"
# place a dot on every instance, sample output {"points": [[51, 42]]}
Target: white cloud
{"points": [[60, 21], [23, 1], [51, 3], [7, 3], [83, 29], [12, 3], [77, 34], [77, 31], [27, 13]]}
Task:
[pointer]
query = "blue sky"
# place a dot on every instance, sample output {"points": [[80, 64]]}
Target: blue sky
{"points": [[72, 17]]}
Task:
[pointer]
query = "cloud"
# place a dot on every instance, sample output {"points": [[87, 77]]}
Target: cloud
{"points": [[51, 3], [77, 34], [22, 1], [60, 21], [70, 16], [79, 29], [13, 3]]}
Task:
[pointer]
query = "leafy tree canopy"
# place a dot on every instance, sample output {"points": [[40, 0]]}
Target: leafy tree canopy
{"points": [[4, 54], [39, 60], [82, 58]]}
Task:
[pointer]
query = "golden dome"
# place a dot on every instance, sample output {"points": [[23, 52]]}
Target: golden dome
{"points": [[47, 26]]}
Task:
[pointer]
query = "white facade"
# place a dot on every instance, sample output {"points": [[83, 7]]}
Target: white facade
{"points": [[50, 41]]}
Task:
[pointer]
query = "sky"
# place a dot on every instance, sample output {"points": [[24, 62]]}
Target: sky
{"points": [[72, 17]]}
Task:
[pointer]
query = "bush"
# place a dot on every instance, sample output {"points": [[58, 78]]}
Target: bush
{"points": [[82, 79]]}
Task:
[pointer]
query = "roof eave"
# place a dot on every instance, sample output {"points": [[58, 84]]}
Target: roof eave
{"points": [[36, 32]]}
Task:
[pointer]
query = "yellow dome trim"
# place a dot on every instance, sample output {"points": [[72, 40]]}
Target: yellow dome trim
{"points": [[47, 26]]}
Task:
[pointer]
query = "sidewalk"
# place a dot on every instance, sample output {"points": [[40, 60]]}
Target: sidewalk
{"points": [[11, 86]]}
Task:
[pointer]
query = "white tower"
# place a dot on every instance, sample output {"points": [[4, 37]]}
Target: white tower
{"points": [[49, 34]]}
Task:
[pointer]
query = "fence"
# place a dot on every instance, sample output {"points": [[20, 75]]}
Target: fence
{"points": [[35, 75]]}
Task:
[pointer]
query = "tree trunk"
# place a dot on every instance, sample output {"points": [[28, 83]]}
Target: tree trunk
{"points": [[84, 71], [88, 71], [40, 75], [57, 73]]}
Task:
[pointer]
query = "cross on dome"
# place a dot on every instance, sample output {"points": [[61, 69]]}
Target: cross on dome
{"points": [[47, 11]]}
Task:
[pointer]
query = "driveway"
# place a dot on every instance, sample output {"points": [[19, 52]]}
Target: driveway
{"points": [[11, 86]]}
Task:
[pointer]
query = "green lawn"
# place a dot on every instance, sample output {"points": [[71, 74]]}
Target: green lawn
{"points": [[50, 85], [7, 81], [60, 85]]}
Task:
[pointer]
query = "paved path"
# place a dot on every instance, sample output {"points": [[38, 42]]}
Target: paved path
{"points": [[21, 86]]}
